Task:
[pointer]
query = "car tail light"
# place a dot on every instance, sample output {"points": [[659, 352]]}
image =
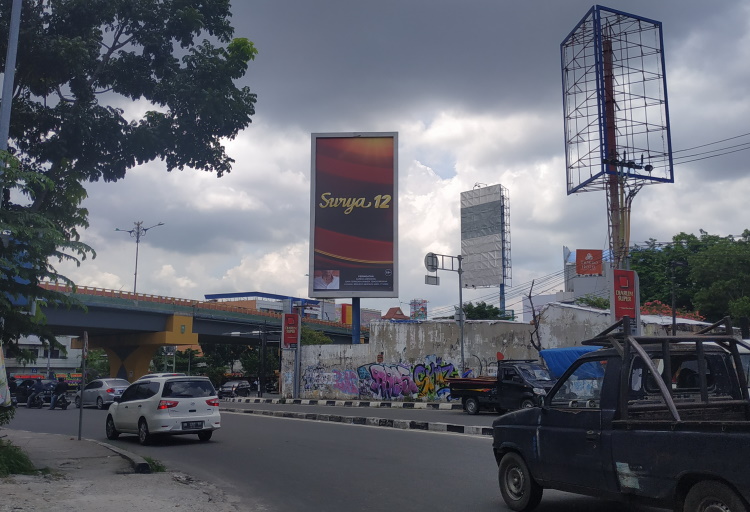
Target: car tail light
{"points": [[213, 402], [110, 390], [167, 404]]}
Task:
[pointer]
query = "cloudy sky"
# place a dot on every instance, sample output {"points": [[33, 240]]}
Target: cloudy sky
{"points": [[473, 89]]}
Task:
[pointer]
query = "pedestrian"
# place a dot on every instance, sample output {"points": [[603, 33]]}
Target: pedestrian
{"points": [[257, 385], [60, 389]]}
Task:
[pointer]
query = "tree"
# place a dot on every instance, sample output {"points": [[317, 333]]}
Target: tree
{"points": [[310, 336], [79, 62], [593, 301], [482, 311]]}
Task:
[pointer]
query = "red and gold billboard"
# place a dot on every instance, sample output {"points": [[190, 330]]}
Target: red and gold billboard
{"points": [[354, 215], [292, 331], [589, 262]]}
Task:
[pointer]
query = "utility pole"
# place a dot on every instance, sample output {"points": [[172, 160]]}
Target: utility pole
{"points": [[434, 262]]}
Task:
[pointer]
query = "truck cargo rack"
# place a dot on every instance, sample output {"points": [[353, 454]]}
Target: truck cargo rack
{"points": [[628, 347]]}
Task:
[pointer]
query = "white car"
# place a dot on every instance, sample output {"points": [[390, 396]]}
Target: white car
{"points": [[176, 405]]}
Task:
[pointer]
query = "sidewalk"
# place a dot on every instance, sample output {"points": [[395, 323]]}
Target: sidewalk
{"points": [[89, 476]]}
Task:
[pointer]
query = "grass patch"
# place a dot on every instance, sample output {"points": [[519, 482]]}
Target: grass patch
{"points": [[155, 465], [14, 461]]}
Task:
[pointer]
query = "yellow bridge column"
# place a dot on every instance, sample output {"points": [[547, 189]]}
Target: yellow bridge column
{"points": [[130, 354]]}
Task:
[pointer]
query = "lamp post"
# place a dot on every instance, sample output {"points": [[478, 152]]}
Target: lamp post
{"points": [[137, 232]]}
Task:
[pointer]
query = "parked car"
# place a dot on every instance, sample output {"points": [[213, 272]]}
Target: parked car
{"points": [[235, 388], [165, 406], [166, 374], [24, 389], [101, 392]]}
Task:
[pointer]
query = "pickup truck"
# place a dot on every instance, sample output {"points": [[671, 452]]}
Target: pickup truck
{"points": [[660, 421], [519, 384]]}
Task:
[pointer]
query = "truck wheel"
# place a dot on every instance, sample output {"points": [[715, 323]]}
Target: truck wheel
{"points": [[527, 403], [472, 406], [519, 489], [712, 496]]}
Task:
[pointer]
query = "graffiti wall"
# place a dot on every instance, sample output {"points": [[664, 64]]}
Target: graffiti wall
{"points": [[404, 361]]}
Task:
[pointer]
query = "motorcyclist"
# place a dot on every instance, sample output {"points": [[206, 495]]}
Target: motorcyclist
{"points": [[36, 389], [60, 389]]}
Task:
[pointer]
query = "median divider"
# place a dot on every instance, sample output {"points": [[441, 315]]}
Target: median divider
{"points": [[443, 406], [372, 422]]}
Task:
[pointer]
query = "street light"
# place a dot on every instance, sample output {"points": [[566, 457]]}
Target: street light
{"points": [[137, 232]]}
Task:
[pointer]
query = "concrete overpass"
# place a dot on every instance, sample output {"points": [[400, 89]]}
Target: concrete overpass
{"points": [[131, 327]]}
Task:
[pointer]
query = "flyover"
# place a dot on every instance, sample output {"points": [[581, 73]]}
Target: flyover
{"points": [[131, 327]]}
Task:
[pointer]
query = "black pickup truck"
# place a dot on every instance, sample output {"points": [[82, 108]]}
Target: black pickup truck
{"points": [[661, 421], [520, 383]]}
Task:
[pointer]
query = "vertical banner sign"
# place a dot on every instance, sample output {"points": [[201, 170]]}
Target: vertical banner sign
{"points": [[291, 330], [625, 295], [589, 262], [354, 215]]}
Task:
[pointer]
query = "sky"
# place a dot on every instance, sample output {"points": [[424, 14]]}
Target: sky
{"points": [[473, 89]]}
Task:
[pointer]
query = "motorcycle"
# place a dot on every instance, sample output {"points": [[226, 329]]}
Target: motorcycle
{"points": [[62, 401], [37, 401]]}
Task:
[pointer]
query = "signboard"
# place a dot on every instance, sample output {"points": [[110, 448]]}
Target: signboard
{"points": [[292, 330], [354, 215], [589, 262], [625, 300]]}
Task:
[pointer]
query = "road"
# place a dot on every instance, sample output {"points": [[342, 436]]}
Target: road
{"points": [[280, 464]]}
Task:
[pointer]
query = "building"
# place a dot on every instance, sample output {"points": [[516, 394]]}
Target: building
{"points": [[49, 364]]}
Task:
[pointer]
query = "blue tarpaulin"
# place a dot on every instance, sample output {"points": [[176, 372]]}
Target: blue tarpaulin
{"points": [[559, 359]]}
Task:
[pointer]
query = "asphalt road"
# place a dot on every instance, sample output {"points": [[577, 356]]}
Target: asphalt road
{"points": [[289, 465]]}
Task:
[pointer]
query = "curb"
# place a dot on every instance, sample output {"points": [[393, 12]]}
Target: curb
{"points": [[139, 463], [372, 422], [443, 406]]}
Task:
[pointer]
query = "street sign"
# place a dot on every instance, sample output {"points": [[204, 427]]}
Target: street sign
{"points": [[432, 280], [431, 262]]}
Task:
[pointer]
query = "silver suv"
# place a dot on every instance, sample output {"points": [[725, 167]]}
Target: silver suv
{"points": [[176, 405]]}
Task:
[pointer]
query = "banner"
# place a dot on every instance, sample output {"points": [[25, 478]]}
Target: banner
{"points": [[354, 215], [292, 330]]}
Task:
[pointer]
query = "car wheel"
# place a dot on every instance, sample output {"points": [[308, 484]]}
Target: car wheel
{"points": [[713, 496], [528, 403], [472, 406], [519, 489], [205, 435], [143, 436], [112, 432], [99, 403], [78, 402]]}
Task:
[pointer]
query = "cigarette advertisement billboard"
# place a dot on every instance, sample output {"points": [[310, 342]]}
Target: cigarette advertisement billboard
{"points": [[354, 215]]}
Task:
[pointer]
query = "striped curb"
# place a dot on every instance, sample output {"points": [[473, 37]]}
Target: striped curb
{"points": [[442, 406], [372, 422]]}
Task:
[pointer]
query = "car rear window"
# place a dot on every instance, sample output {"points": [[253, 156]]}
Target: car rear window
{"points": [[119, 382], [188, 389]]}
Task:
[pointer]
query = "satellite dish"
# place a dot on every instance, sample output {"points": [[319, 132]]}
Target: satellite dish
{"points": [[431, 262]]}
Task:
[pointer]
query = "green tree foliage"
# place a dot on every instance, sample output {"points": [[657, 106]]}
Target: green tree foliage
{"points": [[710, 273], [314, 337], [80, 63], [593, 301], [250, 362], [97, 365], [481, 311]]}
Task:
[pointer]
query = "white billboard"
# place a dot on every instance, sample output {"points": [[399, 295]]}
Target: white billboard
{"points": [[485, 237]]}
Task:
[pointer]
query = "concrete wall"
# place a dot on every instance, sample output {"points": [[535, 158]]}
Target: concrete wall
{"points": [[404, 360]]}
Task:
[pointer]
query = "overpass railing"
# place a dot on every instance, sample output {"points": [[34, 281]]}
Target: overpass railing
{"points": [[195, 304]]}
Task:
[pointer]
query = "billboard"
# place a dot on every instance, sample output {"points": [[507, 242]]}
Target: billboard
{"points": [[485, 237], [292, 330], [354, 215], [589, 262]]}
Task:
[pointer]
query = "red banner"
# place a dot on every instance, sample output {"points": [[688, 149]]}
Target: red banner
{"points": [[625, 294], [291, 330]]}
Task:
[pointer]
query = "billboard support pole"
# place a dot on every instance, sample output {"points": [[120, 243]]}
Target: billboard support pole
{"points": [[356, 320]]}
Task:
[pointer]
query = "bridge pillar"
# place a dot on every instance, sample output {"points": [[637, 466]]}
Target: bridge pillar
{"points": [[130, 354]]}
